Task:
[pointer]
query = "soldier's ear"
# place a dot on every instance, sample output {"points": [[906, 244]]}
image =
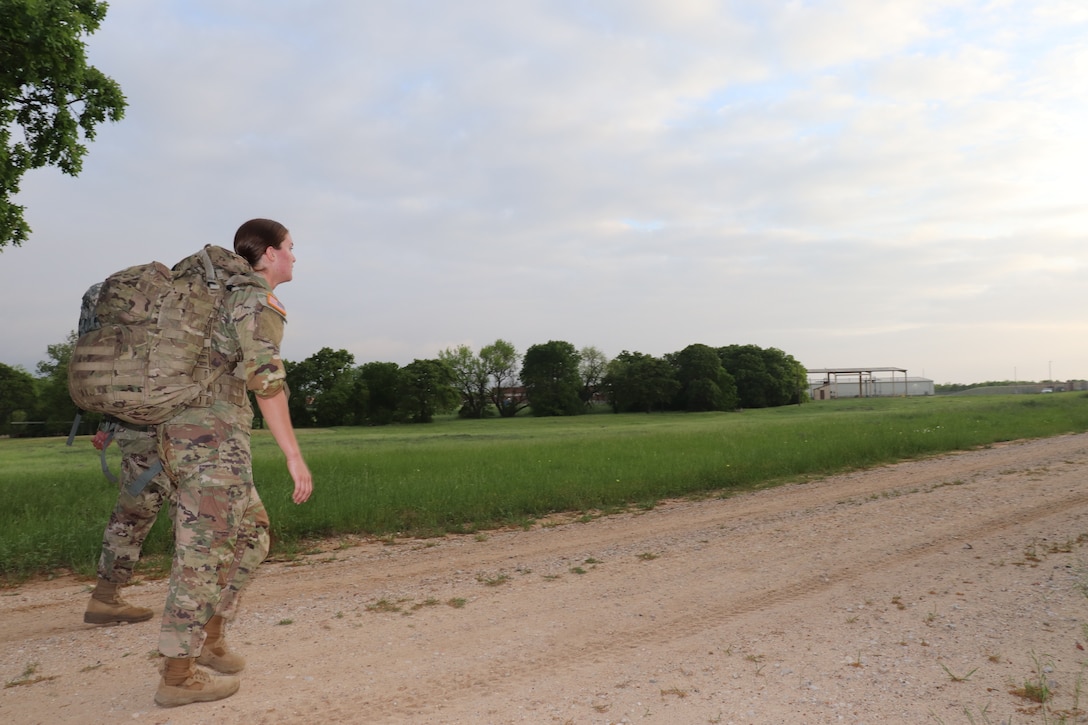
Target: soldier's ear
{"points": [[264, 259]]}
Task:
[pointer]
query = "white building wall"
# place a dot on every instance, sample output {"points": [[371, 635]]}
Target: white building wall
{"points": [[875, 388]]}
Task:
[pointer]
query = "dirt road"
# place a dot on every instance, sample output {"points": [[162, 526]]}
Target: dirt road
{"points": [[929, 591]]}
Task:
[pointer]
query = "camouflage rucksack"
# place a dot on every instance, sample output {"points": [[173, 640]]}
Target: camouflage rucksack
{"points": [[149, 356]]}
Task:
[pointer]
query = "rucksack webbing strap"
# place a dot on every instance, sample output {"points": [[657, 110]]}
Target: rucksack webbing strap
{"points": [[138, 484], [75, 427], [111, 428]]}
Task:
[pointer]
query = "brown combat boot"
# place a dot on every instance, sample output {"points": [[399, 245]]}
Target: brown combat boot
{"points": [[182, 683], [107, 606], [215, 653]]}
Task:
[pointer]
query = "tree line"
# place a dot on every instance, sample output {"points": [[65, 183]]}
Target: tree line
{"points": [[549, 379], [553, 378]]}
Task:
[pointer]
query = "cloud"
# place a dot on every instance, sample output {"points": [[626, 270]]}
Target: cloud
{"points": [[855, 183]]}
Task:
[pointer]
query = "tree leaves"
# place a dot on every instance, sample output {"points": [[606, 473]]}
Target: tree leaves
{"points": [[50, 99]]}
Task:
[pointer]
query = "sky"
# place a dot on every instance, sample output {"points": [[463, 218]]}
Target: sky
{"points": [[856, 183]]}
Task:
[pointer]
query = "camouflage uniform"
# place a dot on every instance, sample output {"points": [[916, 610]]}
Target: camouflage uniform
{"points": [[133, 516], [221, 526]]}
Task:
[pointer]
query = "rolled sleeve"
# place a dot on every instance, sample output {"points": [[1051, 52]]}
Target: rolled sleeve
{"points": [[259, 327]]}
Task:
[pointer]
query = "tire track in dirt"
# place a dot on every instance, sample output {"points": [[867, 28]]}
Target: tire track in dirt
{"points": [[747, 512], [712, 609]]}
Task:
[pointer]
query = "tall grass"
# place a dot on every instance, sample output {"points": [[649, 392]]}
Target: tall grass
{"points": [[461, 476]]}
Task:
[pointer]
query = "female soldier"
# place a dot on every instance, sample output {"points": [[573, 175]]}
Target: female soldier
{"points": [[221, 526]]}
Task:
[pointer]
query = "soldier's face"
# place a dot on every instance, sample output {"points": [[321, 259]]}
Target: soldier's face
{"points": [[281, 261]]}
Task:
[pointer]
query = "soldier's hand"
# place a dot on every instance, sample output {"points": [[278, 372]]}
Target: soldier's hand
{"points": [[100, 439], [304, 482]]}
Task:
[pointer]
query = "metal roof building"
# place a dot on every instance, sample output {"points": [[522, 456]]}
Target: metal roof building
{"points": [[830, 383]]}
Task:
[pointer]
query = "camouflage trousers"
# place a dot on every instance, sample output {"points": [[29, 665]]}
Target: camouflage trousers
{"points": [[132, 516], [220, 528]]}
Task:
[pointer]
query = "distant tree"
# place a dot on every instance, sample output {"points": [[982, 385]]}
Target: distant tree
{"points": [[636, 382], [470, 377], [792, 377], [298, 403], [322, 388], [426, 388], [339, 403], [360, 396], [592, 364], [703, 383], [18, 395], [54, 402], [500, 360], [550, 375], [381, 380], [765, 378], [957, 387], [49, 96]]}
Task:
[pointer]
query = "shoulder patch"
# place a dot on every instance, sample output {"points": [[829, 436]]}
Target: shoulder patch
{"points": [[276, 305]]}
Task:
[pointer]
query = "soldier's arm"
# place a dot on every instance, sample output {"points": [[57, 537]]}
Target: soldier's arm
{"points": [[259, 328], [275, 413]]}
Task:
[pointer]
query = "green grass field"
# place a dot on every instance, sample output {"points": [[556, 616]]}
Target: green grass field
{"points": [[458, 476]]}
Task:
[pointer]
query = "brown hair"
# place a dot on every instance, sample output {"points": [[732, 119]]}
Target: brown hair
{"points": [[255, 236]]}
